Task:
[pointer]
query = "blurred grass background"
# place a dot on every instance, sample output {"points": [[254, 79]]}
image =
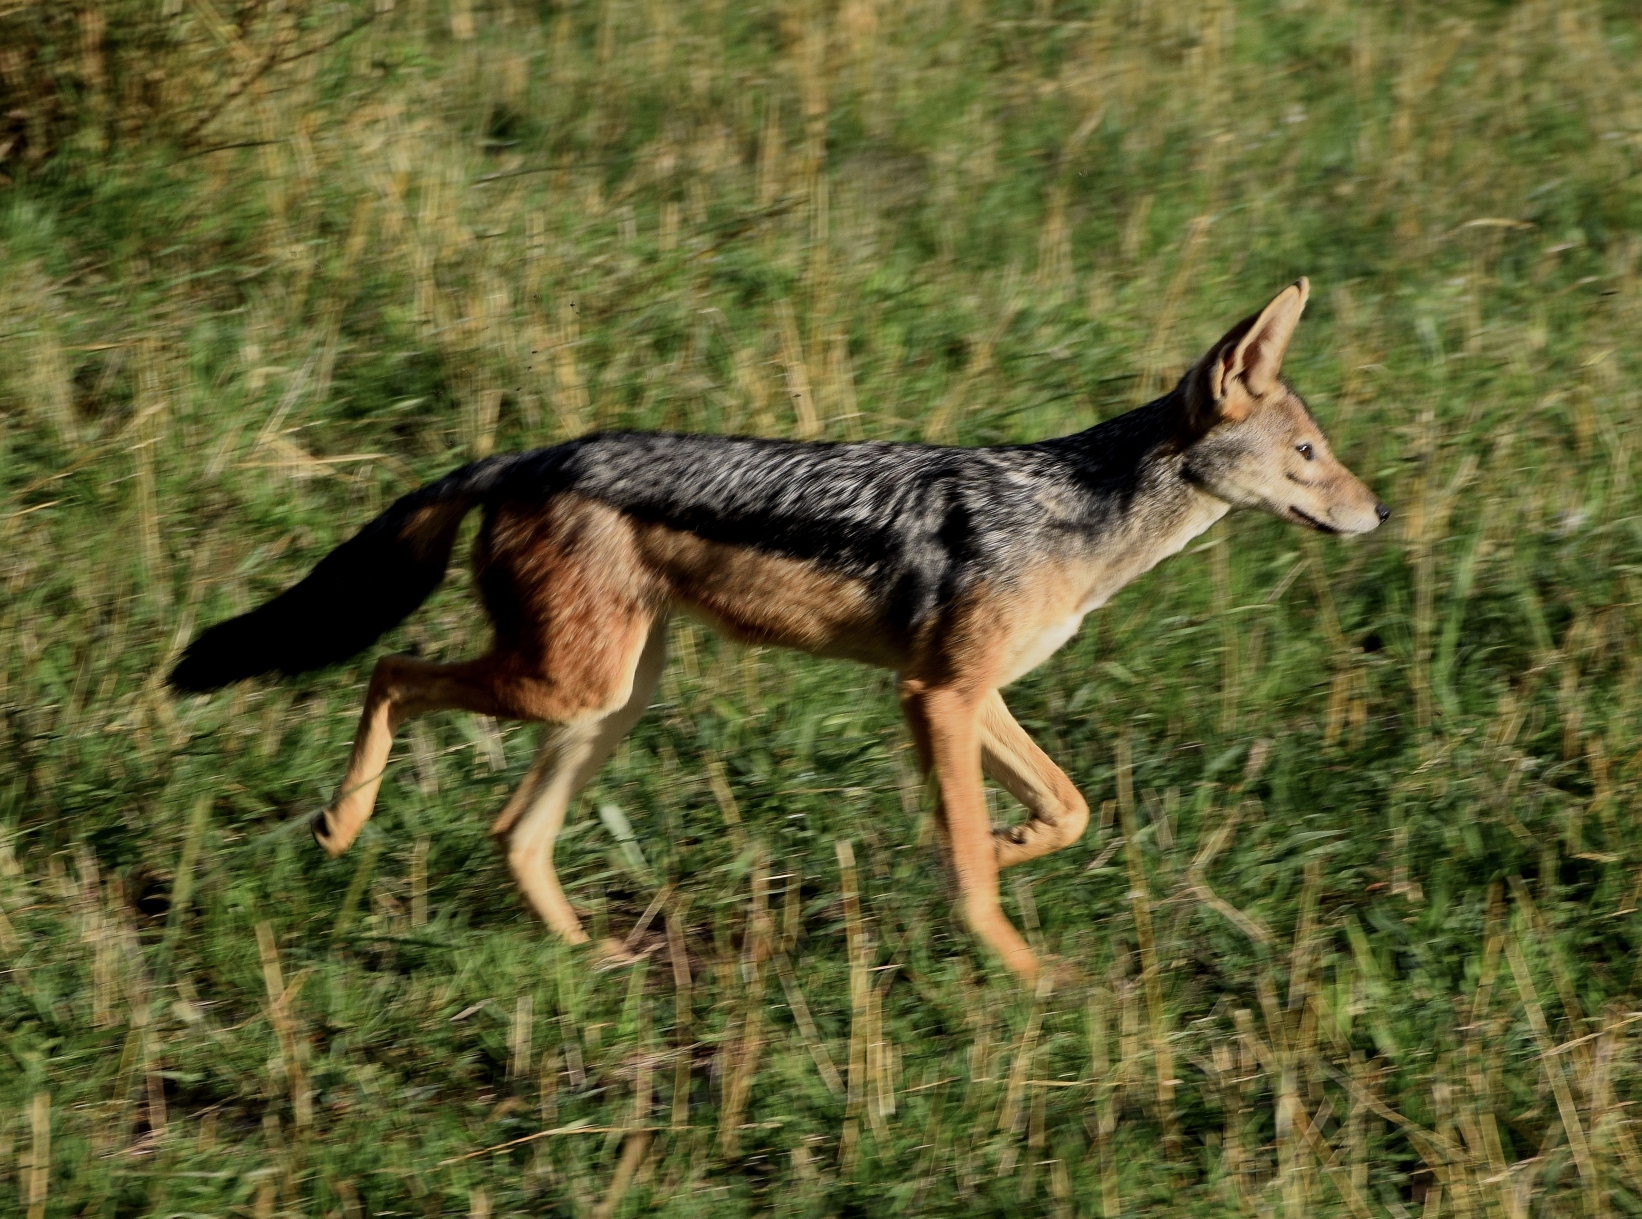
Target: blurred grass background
{"points": [[1359, 913]]}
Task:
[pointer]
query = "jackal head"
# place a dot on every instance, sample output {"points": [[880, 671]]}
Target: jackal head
{"points": [[1252, 442]]}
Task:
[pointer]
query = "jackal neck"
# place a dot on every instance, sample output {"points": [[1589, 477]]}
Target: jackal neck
{"points": [[1140, 452], [1141, 505]]}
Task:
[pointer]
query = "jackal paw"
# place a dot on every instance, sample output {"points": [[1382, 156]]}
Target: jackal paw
{"points": [[1062, 975], [324, 831], [610, 953]]}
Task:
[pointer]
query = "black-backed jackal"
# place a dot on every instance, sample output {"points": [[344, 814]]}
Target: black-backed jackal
{"points": [[959, 569]]}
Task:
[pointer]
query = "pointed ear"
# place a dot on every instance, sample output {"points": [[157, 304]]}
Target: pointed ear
{"points": [[1252, 351]]}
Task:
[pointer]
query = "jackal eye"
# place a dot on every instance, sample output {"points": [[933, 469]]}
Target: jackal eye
{"points": [[1304, 449]]}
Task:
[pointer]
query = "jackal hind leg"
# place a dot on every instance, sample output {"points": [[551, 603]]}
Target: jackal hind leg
{"points": [[569, 756], [401, 688], [1058, 813], [946, 727]]}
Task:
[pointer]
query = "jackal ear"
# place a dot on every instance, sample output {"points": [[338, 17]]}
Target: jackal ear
{"points": [[1252, 351]]}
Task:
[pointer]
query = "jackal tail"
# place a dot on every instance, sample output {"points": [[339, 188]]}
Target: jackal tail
{"points": [[361, 589]]}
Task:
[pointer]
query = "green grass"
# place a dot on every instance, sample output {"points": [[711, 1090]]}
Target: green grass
{"points": [[1365, 849]]}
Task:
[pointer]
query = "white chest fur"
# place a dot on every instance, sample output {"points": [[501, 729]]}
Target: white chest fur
{"points": [[1111, 574], [1042, 646]]}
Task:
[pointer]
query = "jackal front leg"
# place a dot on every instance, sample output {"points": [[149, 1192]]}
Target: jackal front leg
{"points": [[1058, 811], [946, 726]]}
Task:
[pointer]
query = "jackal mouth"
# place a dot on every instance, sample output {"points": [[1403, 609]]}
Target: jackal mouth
{"points": [[1306, 519]]}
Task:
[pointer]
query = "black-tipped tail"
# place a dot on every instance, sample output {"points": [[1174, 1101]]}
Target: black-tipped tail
{"points": [[361, 589]]}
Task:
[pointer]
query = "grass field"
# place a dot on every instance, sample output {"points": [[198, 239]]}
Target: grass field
{"points": [[1358, 916]]}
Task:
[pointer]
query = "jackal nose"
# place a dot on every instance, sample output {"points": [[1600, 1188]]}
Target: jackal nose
{"points": [[1381, 511]]}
